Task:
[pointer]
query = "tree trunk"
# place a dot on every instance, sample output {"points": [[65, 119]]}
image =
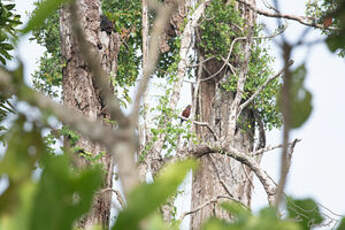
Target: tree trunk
{"points": [[80, 92], [219, 174]]}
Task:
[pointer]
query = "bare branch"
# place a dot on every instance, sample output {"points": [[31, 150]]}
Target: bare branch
{"points": [[266, 181], [117, 193], [301, 19], [213, 200], [270, 148], [221, 181], [94, 130], [202, 124], [286, 111]]}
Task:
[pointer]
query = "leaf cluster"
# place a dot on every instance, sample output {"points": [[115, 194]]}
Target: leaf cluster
{"points": [[335, 11], [222, 24], [8, 23]]}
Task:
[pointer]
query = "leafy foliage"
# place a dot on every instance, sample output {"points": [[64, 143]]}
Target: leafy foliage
{"points": [[69, 193], [148, 197], [306, 212], [58, 196], [217, 36], [244, 220], [333, 11], [8, 23], [48, 78], [45, 9], [300, 98]]}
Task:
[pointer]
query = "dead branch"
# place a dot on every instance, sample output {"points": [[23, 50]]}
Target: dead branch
{"points": [[301, 19], [244, 158], [202, 124], [117, 193], [213, 200], [270, 148], [221, 181]]}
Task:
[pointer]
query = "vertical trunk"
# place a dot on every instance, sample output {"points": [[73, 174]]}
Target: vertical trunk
{"points": [[80, 93], [219, 174]]}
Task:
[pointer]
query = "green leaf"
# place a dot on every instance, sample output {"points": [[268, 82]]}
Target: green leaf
{"points": [[305, 212], [236, 209], [145, 199], [6, 46], [45, 9], [10, 6], [217, 224], [336, 41], [300, 98], [63, 196], [23, 151]]}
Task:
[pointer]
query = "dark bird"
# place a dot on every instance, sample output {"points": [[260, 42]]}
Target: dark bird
{"points": [[186, 112], [106, 25]]}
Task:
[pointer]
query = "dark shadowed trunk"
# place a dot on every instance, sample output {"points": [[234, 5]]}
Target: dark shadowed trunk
{"points": [[80, 92]]}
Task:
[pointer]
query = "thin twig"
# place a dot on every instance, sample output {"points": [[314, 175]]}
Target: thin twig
{"points": [[300, 19], [202, 124], [118, 195], [221, 181], [270, 148], [213, 200]]}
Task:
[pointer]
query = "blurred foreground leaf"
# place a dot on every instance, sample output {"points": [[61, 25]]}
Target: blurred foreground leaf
{"points": [[145, 199], [63, 196], [305, 212]]}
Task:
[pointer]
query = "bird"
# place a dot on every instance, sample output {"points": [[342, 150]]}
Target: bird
{"points": [[327, 22], [106, 25], [186, 112]]}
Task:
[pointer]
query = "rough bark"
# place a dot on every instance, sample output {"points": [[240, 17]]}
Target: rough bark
{"points": [[219, 174], [81, 94]]}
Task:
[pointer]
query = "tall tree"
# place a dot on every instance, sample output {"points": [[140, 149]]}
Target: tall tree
{"points": [[82, 93], [216, 47]]}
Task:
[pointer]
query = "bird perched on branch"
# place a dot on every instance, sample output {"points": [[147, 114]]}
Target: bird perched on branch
{"points": [[106, 25], [186, 112], [327, 22]]}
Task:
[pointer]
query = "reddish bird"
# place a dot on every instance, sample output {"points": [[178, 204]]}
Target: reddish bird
{"points": [[186, 112], [328, 21]]}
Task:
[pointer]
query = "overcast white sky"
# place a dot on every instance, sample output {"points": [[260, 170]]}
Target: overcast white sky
{"points": [[318, 166]]}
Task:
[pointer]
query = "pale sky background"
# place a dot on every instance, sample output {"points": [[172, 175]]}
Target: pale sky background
{"points": [[318, 166]]}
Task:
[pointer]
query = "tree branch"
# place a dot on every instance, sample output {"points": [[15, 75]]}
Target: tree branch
{"points": [[270, 148], [261, 88], [300, 19], [213, 200], [244, 158], [202, 124], [161, 21]]}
